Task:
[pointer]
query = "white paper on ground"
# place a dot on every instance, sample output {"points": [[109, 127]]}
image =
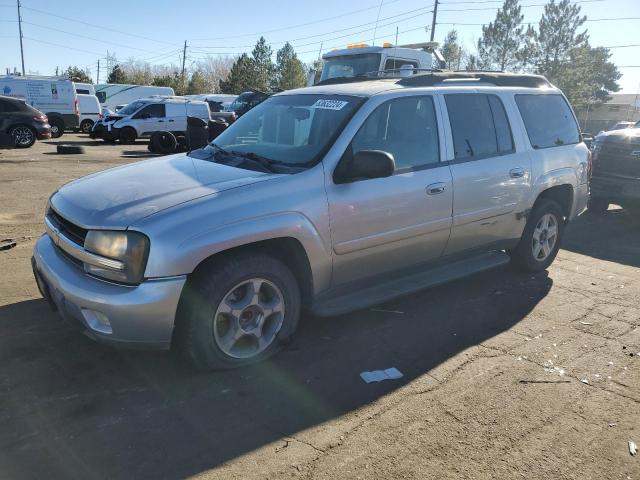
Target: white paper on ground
{"points": [[380, 375]]}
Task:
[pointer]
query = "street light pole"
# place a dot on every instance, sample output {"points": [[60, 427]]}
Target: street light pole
{"points": [[20, 31]]}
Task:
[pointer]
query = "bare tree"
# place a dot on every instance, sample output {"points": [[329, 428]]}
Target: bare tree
{"points": [[215, 69]]}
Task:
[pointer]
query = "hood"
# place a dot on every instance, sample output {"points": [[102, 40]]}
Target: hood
{"points": [[121, 196], [624, 135]]}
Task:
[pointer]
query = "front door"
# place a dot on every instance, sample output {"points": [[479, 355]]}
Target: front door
{"points": [[491, 179], [151, 119], [383, 225]]}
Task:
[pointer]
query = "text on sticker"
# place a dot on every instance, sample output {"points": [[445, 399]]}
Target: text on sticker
{"points": [[329, 104]]}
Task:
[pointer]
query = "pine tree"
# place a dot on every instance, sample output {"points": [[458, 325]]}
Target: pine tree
{"points": [[198, 84], [501, 39], [290, 71], [242, 76], [452, 51], [263, 65], [76, 74], [558, 35], [117, 75]]}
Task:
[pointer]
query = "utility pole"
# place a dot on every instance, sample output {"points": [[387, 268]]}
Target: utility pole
{"points": [[184, 59], [98, 73], [20, 31], [433, 22]]}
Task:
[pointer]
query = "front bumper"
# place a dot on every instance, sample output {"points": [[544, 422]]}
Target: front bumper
{"points": [[138, 317]]}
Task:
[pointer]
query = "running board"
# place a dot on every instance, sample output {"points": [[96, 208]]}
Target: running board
{"points": [[381, 293]]}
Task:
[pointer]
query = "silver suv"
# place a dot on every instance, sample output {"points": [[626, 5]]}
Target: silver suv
{"points": [[327, 199]]}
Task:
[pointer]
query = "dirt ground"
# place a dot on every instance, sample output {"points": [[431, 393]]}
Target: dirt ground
{"points": [[506, 375]]}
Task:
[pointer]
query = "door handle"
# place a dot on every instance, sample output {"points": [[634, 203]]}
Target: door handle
{"points": [[436, 188], [160, 121], [517, 172], [169, 120]]}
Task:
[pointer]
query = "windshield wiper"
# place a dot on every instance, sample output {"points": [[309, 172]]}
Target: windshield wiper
{"points": [[219, 154], [264, 162]]}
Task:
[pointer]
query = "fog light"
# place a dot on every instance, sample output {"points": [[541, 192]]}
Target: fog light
{"points": [[97, 321]]}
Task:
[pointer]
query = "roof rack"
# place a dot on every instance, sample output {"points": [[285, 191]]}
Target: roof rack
{"points": [[499, 79], [389, 73]]}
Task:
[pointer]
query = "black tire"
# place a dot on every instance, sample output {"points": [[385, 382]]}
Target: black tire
{"points": [[57, 127], [86, 126], [598, 205], [163, 142], [23, 136], [70, 149], [128, 136], [204, 292], [522, 256]]}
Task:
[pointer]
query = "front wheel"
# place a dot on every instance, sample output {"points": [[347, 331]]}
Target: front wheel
{"points": [[128, 136], [237, 311], [541, 238]]}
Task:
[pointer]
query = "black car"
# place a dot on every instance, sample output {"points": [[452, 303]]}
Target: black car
{"points": [[246, 101], [23, 122], [616, 169]]}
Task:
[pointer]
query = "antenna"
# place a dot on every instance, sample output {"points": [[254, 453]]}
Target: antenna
{"points": [[376, 27]]}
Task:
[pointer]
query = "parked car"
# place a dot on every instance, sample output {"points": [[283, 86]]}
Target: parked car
{"points": [[25, 124], [141, 118], [622, 125], [328, 199], [246, 101], [218, 106], [54, 96], [90, 111], [616, 169], [113, 94]]}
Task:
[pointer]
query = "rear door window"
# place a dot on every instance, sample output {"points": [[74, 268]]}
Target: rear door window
{"points": [[153, 110], [7, 106], [479, 126], [548, 120]]}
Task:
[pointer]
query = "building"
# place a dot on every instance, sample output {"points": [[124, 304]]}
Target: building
{"points": [[621, 107]]}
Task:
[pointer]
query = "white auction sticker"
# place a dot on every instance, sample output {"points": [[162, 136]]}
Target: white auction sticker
{"points": [[329, 104]]}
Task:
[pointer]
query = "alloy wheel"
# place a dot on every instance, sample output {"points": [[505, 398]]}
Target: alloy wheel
{"points": [[23, 136], [545, 236]]}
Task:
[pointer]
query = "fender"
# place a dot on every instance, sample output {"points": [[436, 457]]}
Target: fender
{"points": [[553, 178], [192, 251]]}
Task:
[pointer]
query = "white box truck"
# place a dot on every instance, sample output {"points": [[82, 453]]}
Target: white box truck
{"points": [[54, 96]]}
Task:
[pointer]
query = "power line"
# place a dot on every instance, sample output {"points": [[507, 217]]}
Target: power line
{"points": [[522, 6], [463, 24], [101, 27], [291, 27], [62, 46]]}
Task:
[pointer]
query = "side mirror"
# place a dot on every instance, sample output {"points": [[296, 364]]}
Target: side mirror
{"points": [[368, 164]]}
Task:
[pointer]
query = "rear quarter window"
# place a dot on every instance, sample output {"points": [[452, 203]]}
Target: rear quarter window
{"points": [[548, 120]]}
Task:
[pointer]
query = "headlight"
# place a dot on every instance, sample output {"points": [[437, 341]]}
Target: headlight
{"points": [[131, 248]]}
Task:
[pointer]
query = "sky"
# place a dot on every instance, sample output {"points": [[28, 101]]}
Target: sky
{"points": [[74, 32]]}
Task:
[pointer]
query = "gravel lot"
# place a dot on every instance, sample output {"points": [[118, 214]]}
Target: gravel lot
{"points": [[506, 375]]}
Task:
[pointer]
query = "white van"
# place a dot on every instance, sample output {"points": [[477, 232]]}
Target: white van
{"points": [[142, 117], [53, 96], [90, 111], [114, 94], [84, 88]]}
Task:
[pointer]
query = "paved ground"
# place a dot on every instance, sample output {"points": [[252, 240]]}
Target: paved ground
{"points": [[506, 375]]}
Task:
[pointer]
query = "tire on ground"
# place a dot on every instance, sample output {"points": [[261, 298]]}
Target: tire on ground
{"points": [[70, 149], [206, 289], [522, 256], [163, 142]]}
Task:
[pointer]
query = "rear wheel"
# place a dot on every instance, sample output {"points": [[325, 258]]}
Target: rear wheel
{"points": [[86, 126], [541, 238], [57, 127], [598, 205], [23, 136], [128, 135], [237, 311]]}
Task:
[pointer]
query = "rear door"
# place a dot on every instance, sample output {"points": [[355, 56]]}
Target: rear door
{"points": [[491, 178], [383, 225]]}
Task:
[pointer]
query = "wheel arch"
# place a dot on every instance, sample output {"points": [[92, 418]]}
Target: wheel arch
{"points": [[561, 194]]}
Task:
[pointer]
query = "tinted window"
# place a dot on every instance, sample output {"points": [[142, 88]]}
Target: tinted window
{"points": [[154, 110], [406, 128], [7, 106], [395, 63], [501, 123], [83, 91], [479, 126], [548, 120], [102, 97]]}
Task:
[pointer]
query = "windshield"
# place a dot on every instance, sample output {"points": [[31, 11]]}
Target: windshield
{"points": [[131, 108], [350, 65], [292, 130]]}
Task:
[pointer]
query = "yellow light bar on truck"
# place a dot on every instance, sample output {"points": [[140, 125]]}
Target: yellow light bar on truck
{"points": [[357, 45], [387, 44]]}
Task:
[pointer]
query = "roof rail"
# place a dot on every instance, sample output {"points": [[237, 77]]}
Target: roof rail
{"points": [[500, 79], [373, 75]]}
